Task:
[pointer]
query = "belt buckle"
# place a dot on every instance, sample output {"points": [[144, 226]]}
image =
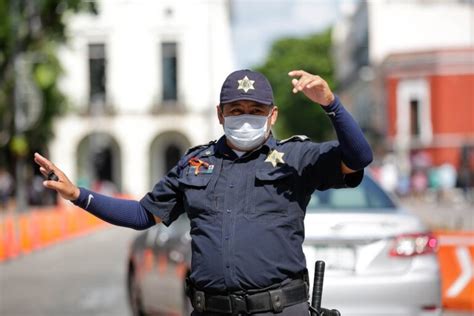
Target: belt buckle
{"points": [[238, 304]]}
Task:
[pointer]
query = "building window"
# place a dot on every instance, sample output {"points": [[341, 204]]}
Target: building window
{"points": [[165, 152], [413, 124], [169, 73], [415, 117], [99, 163], [172, 156], [97, 76]]}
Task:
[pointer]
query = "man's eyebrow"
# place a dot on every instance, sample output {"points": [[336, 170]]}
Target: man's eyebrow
{"points": [[235, 104], [258, 105]]}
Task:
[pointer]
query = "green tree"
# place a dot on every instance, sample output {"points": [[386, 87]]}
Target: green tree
{"points": [[297, 114], [30, 31]]}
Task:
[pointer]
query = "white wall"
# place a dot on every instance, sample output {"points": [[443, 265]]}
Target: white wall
{"points": [[394, 26], [132, 31], [400, 26]]}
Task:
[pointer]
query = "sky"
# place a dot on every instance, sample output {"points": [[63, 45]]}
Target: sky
{"points": [[257, 23]]}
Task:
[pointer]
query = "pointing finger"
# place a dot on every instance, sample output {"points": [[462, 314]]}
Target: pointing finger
{"points": [[43, 162], [297, 73]]}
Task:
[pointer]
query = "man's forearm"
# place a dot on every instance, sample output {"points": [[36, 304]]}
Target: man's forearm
{"points": [[356, 151], [119, 212]]}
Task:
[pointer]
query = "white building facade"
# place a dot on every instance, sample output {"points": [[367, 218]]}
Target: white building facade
{"points": [[143, 77], [373, 30], [426, 39]]}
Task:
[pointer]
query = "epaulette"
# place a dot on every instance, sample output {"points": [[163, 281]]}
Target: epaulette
{"points": [[299, 138], [195, 148], [195, 151]]}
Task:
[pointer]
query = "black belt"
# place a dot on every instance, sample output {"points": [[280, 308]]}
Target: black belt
{"points": [[270, 300]]}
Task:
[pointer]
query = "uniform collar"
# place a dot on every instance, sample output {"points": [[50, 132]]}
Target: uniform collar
{"points": [[271, 142], [224, 149]]}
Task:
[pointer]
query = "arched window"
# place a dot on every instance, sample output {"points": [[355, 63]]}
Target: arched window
{"points": [[172, 155], [165, 151], [99, 163]]}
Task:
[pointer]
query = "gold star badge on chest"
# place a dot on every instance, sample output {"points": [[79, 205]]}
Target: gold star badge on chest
{"points": [[245, 84], [275, 157]]}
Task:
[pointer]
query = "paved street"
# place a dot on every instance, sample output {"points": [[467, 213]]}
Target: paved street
{"points": [[83, 276]]}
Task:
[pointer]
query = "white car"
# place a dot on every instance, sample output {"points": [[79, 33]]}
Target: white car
{"points": [[379, 258]]}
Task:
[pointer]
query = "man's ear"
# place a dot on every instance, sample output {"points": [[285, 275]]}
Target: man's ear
{"points": [[220, 115], [274, 116]]}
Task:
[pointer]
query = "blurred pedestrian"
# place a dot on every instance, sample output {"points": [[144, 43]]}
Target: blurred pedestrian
{"points": [[419, 184], [421, 160], [465, 178], [6, 188], [447, 180], [246, 196], [388, 174]]}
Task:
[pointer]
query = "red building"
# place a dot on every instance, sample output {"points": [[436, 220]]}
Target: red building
{"points": [[430, 103]]}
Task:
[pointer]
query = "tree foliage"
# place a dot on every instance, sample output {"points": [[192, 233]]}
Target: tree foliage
{"points": [[31, 30], [297, 114]]}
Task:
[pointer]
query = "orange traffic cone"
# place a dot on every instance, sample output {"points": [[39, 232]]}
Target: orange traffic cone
{"points": [[3, 254], [24, 234], [34, 228], [12, 249]]}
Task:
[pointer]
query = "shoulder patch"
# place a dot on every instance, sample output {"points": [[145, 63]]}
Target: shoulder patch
{"points": [[295, 138]]}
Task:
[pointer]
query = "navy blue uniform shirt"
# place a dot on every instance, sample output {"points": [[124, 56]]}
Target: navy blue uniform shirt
{"points": [[247, 213]]}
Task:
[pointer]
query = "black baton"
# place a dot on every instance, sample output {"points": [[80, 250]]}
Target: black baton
{"points": [[317, 287], [315, 307]]}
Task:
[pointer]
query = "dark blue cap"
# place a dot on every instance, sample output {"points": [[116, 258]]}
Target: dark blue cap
{"points": [[246, 85]]}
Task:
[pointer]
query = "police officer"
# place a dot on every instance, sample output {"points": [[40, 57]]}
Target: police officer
{"points": [[246, 196]]}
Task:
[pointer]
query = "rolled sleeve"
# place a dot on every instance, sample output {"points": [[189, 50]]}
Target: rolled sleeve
{"points": [[165, 200]]}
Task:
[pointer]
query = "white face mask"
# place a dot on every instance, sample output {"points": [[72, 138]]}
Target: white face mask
{"points": [[246, 131]]}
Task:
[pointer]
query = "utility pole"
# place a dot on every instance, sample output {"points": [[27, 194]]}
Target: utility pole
{"points": [[20, 192], [27, 103], [20, 170]]}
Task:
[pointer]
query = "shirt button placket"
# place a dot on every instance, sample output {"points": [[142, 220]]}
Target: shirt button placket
{"points": [[227, 247], [227, 224]]}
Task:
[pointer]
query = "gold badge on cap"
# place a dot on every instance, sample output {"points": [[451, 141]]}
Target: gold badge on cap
{"points": [[275, 157], [245, 84]]}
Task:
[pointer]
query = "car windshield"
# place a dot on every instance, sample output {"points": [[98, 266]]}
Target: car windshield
{"points": [[368, 197]]}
